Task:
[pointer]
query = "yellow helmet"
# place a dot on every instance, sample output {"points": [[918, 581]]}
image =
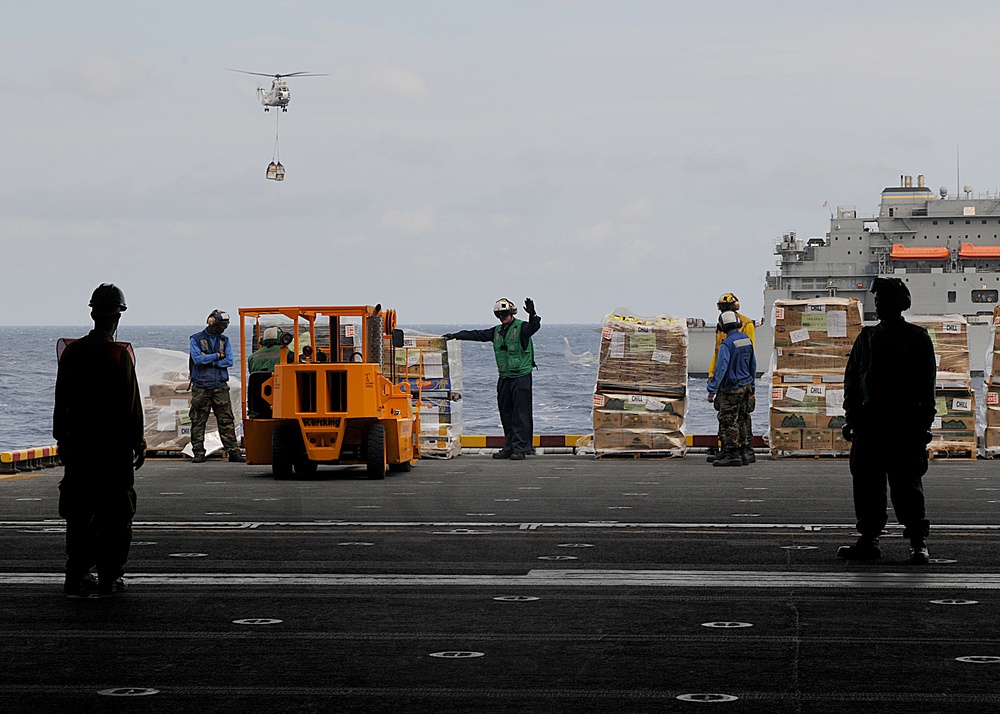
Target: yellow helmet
{"points": [[727, 301]]}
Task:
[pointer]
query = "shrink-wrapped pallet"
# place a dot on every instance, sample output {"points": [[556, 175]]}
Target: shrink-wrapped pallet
{"points": [[954, 427], [166, 393], [432, 366], [812, 343], [641, 394]]}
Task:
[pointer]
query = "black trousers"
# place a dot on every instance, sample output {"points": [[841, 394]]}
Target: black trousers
{"points": [[899, 461], [514, 403], [98, 517]]}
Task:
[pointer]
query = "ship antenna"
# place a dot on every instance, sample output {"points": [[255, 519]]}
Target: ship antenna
{"points": [[958, 166]]}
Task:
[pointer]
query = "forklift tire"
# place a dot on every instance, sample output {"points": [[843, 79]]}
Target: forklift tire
{"points": [[400, 468], [287, 451], [375, 456]]}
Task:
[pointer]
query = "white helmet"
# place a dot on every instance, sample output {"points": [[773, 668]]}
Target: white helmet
{"points": [[503, 306], [271, 333], [729, 319]]}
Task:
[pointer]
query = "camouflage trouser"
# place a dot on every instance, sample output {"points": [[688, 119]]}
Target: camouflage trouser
{"points": [[735, 408], [204, 401]]}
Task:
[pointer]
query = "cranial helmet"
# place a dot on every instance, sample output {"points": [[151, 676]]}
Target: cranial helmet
{"points": [[728, 319], [271, 334], [892, 291], [108, 297], [728, 301], [219, 317], [504, 307]]}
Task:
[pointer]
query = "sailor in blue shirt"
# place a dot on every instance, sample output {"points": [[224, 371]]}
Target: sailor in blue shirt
{"points": [[732, 390], [211, 356]]}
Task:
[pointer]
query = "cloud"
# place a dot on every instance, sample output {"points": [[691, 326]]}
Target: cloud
{"points": [[709, 160], [106, 75], [397, 81], [416, 223]]}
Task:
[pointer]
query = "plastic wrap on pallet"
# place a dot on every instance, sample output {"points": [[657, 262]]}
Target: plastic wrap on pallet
{"points": [[950, 335], [166, 392], [812, 343], [643, 354], [640, 401], [432, 366]]}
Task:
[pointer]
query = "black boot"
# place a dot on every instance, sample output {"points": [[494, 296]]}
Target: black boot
{"points": [[918, 553], [748, 456], [728, 457], [866, 548], [713, 454]]}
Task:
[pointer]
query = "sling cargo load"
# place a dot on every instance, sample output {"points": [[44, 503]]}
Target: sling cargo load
{"points": [[328, 399]]}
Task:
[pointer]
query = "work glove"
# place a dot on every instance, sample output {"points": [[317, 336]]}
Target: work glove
{"points": [[448, 335], [847, 431], [138, 457], [529, 307]]}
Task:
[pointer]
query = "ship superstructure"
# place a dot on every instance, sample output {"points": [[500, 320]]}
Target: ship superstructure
{"points": [[946, 250]]}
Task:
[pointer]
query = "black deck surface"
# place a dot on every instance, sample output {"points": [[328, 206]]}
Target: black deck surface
{"points": [[558, 584]]}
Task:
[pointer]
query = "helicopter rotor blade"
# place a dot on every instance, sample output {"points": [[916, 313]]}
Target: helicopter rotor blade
{"points": [[302, 74], [243, 71]]}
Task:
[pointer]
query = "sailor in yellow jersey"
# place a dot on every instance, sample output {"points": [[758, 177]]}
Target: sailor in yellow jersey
{"points": [[729, 302]]}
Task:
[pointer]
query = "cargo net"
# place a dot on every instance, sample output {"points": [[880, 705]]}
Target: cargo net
{"points": [[812, 342], [640, 401], [953, 433], [433, 368]]}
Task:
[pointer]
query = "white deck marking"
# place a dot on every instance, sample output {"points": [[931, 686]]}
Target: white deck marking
{"points": [[916, 580]]}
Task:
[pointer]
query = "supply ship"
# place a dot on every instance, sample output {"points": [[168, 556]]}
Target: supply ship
{"points": [[945, 248]]}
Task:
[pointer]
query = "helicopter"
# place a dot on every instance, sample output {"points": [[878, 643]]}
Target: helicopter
{"points": [[279, 94]]}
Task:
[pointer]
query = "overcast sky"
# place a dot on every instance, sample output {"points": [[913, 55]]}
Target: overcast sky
{"points": [[589, 154]]}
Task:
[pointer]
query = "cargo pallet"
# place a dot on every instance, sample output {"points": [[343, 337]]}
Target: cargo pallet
{"points": [[937, 454], [639, 455], [810, 454]]}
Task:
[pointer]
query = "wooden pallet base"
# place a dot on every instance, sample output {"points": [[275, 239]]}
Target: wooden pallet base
{"points": [[638, 455]]}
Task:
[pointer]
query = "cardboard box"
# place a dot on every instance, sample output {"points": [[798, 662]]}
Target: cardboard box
{"points": [[817, 439], [991, 439], [839, 442], [786, 439], [604, 419]]}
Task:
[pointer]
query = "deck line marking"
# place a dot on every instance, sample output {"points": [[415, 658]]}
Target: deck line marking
{"points": [[916, 580], [333, 524]]}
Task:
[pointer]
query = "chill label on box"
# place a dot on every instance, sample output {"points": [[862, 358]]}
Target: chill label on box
{"points": [[961, 405], [815, 308], [643, 330], [816, 390], [952, 328]]}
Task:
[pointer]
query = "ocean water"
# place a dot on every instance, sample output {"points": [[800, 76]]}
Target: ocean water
{"points": [[563, 384]]}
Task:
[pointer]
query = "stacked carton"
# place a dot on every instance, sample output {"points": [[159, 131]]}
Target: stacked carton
{"points": [[954, 428], [641, 395], [433, 368], [166, 389], [812, 342], [991, 377]]}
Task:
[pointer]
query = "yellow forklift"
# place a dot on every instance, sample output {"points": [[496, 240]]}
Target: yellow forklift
{"points": [[326, 399]]}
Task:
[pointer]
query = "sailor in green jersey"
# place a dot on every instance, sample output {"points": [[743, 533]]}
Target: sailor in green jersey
{"points": [[515, 356]]}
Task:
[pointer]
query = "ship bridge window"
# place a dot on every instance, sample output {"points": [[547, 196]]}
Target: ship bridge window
{"points": [[952, 296], [980, 296]]}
